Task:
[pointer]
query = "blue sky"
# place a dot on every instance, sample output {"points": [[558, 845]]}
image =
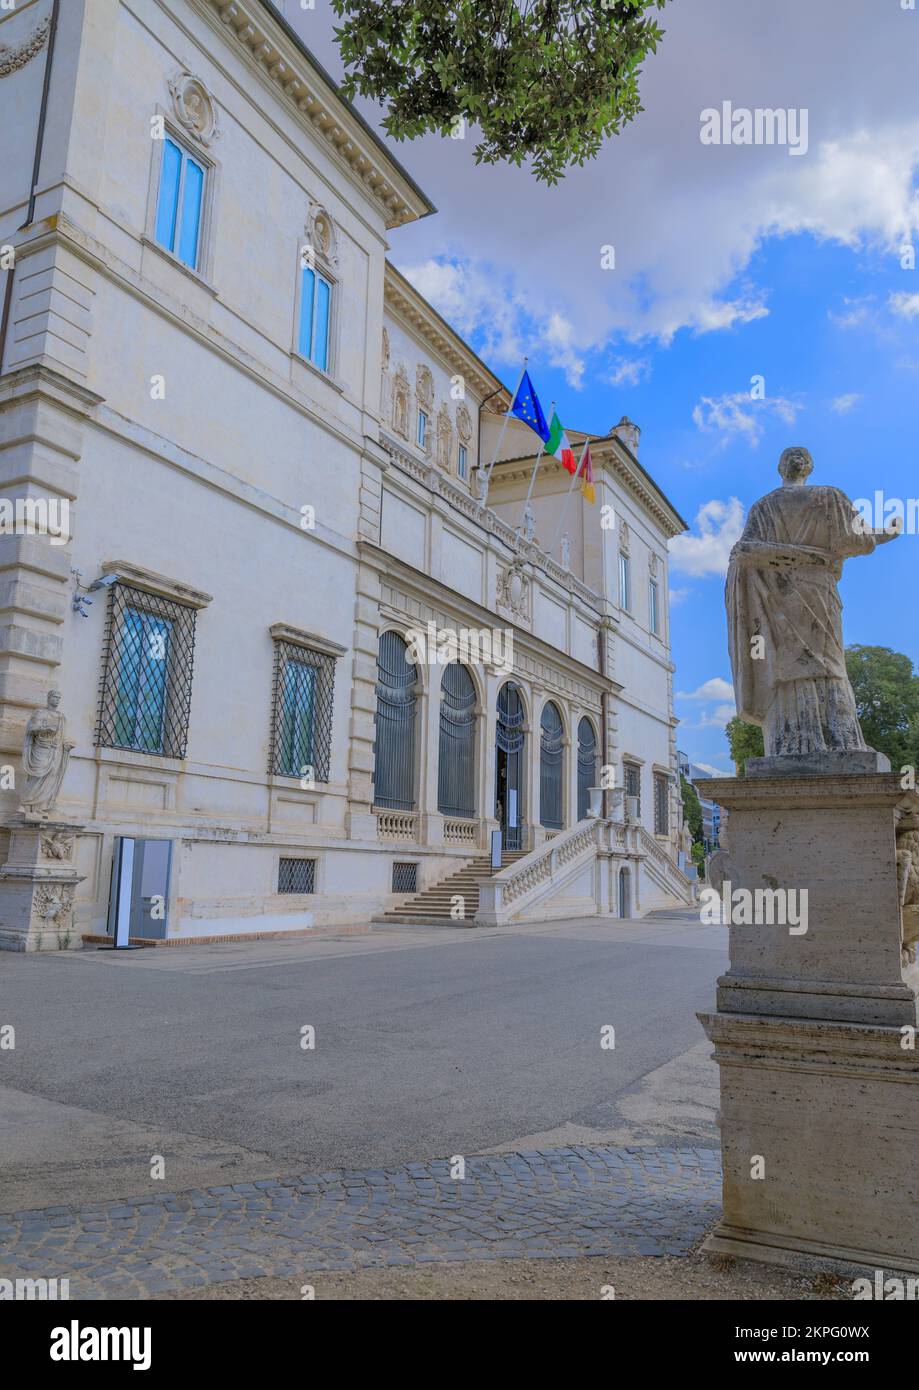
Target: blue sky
{"points": [[731, 262]]}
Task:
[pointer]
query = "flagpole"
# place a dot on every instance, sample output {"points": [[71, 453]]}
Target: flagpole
{"points": [[536, 463], [484, 496], [574, 478]]}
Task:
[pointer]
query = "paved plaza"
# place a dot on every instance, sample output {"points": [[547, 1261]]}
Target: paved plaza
{"points": [[547, 1204]]}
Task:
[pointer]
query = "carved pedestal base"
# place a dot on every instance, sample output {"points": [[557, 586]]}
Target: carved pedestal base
{"points": [[37, 887], [815, 1031]]}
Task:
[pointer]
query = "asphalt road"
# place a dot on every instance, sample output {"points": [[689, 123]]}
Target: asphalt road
{"points": [[427, 1044]]}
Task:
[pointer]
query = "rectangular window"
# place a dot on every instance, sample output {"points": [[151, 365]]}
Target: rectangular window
{"points": [[653, 611], [301, 729], [661, 804], [181, 203], [422, 429], [296, 876], [625, 584], [461, 461], [315, 317], [146, 684], [632, 778]]}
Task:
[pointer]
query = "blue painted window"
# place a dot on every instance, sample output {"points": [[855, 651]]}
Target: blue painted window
{"points": [[461, 461], [315, 317], [143, 679], [298, 718], [653, 606], [181, 203], [422, 428]]}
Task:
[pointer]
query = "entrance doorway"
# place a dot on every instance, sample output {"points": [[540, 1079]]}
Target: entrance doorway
{"points": [[625, 893], [509, 767], [139, 892]]}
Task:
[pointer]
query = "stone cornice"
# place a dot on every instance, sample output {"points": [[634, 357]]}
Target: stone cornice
{"points": [[274, 48], [155, 583], [403, 300], [283, 632], [36, 379]]}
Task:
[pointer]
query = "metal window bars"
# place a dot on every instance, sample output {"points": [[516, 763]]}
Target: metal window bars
{"points": [[300, 744], [147, 669]]}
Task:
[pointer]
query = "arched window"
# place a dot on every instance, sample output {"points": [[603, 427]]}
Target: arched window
{"points": [[551, 760], [509, 770], [456, 760], [587, 765], [394, 747]]}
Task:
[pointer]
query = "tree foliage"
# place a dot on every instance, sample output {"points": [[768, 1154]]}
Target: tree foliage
{"points": [[542, 79], [746, 741], [692, 809], [887, 700]]}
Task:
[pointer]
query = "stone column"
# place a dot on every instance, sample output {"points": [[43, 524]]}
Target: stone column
{"points": [[815, 1024]]}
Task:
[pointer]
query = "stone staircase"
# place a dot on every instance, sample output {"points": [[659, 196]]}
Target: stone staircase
{"points": [[432, 905]]}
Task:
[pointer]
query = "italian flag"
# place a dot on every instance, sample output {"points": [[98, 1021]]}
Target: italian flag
{"points": [[558, 445]]}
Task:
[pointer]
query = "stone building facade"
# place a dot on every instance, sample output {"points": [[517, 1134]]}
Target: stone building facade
{"points": [[265, 446]]}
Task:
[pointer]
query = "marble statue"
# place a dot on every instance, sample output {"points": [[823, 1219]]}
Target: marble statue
{"points": [[45, 755], [785, 615], [908, 882]]}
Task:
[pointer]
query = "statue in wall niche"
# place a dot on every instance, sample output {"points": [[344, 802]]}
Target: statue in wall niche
{"points": [[785, 615], [45, 755], [908, 882]]}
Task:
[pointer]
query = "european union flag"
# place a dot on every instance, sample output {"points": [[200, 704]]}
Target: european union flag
{"points": [[527, 408]]}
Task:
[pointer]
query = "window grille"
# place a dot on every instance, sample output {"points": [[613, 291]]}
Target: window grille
{"points": [[456, 761], [551, 761], [587, 765], [296, 876], [147, 667], [632, 774], [405, 878], [301, 725], [661, 804], [394, 744]]}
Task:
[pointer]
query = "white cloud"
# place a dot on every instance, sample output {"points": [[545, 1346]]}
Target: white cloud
{"points": [[717, 688], [727, 313], [678, 596], [718, 526], [740, 416], [687, 220], [715, 771], [843, 404], [904, 304], [717, 718], [629, 371], [856, 312]]}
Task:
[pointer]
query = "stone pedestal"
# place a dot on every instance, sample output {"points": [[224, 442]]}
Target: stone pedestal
{"points": [[37, 886], [815, 1029]]}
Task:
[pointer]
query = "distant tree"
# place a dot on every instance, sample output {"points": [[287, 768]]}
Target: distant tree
{"points": [[698, 857], [542, 79], [887, 700], [692, 809], [746, 741]]}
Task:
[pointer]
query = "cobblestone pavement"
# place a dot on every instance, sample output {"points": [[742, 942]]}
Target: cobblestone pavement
{"points": [[546, 1204]]}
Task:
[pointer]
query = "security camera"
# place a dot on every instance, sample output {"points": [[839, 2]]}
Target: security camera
{"points": [[103, 583]]}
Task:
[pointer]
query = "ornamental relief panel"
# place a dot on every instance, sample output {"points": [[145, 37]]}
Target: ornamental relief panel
{"points": [[194, 107]]}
